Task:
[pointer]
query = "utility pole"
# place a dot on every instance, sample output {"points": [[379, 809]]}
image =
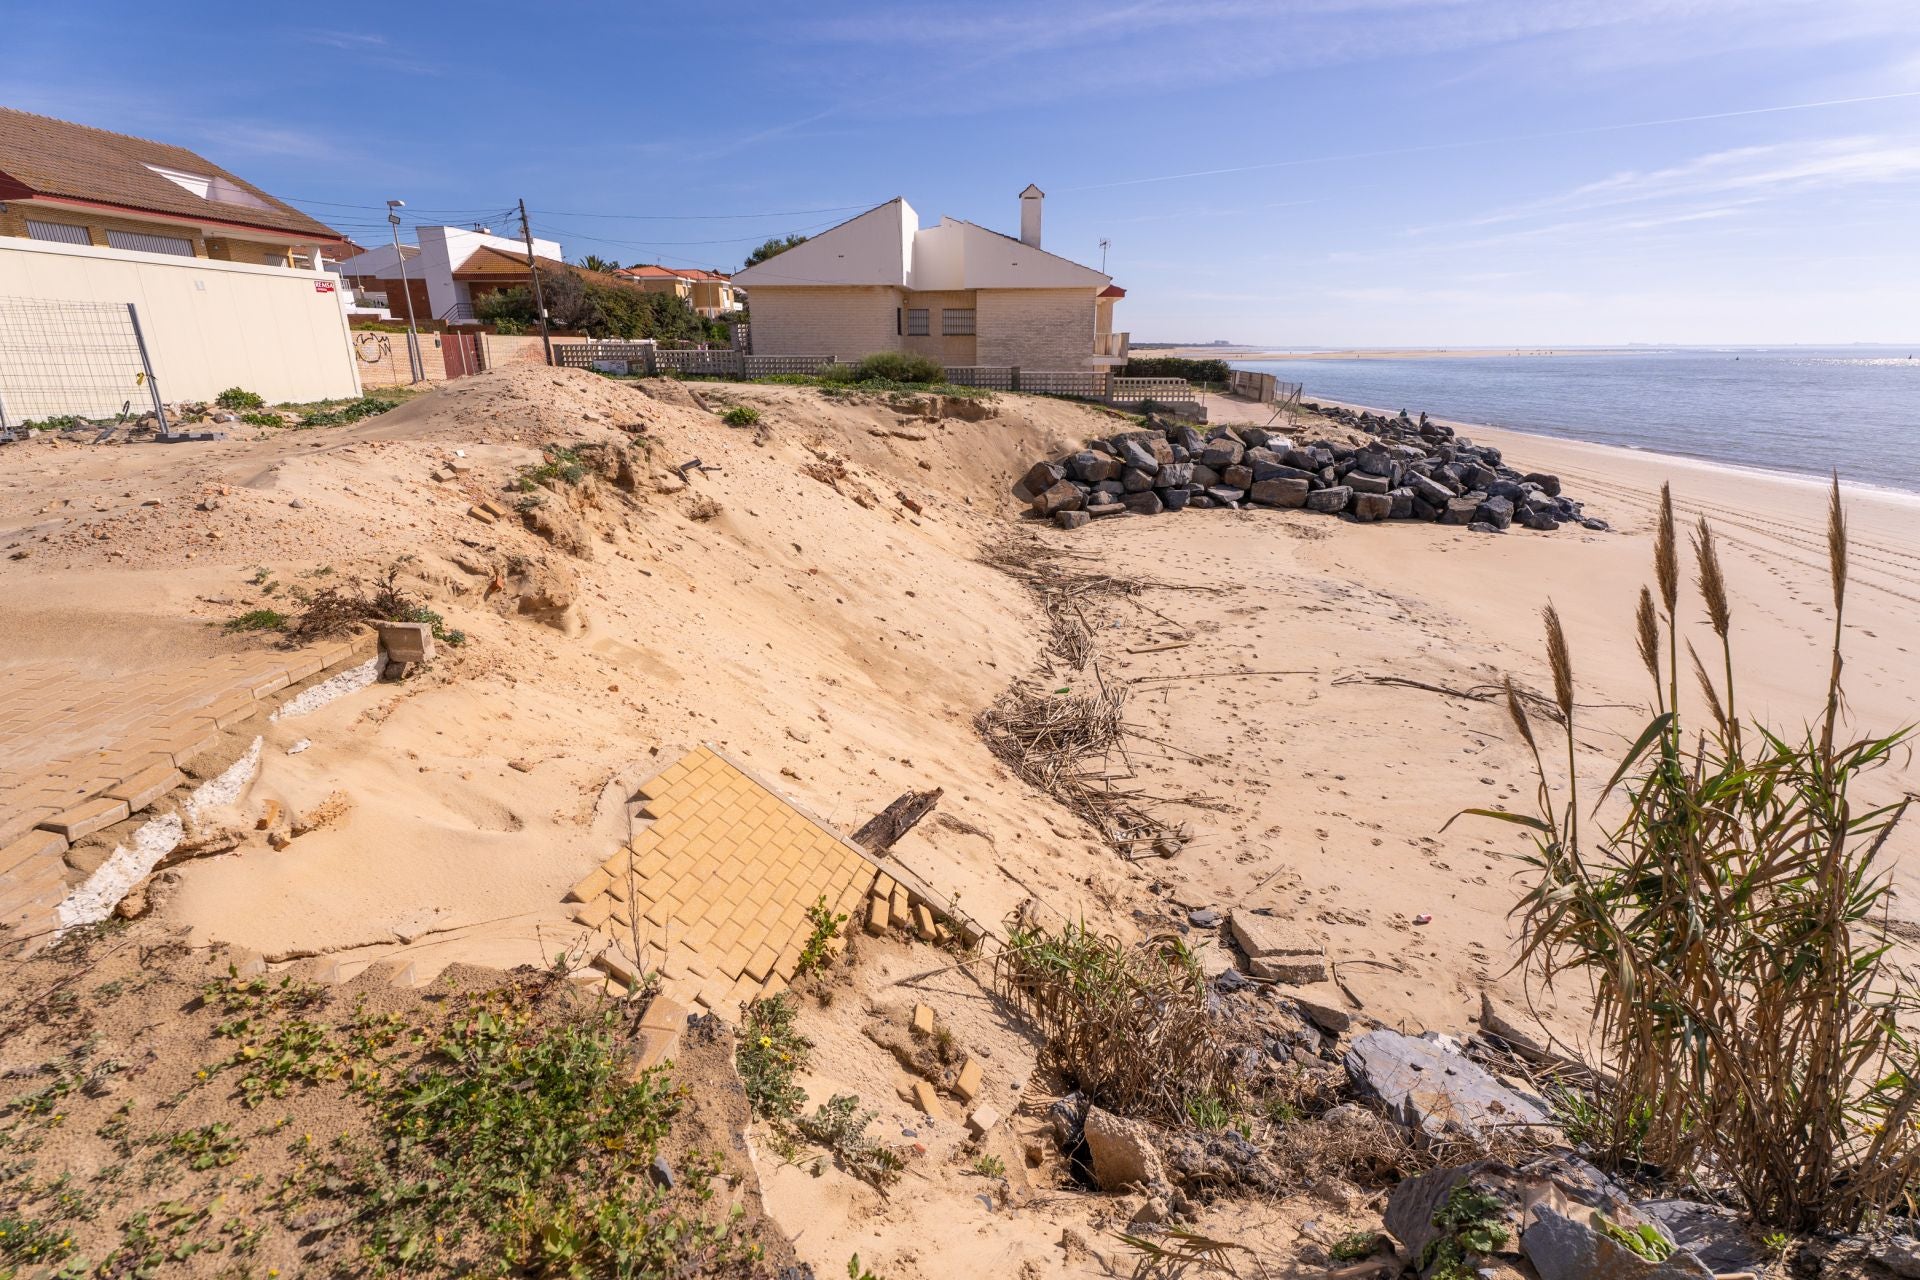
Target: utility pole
{"points": [[406, 291], [539, 302]]}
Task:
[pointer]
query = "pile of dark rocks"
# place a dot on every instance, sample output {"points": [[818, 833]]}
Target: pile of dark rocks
{"points": [[1409, 470]]}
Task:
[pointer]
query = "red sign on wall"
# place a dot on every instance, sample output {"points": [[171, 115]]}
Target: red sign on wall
{"points": [[323, 286]]}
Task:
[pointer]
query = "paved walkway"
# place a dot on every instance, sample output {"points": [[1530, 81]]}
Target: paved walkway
{"points": [[80, 752]]}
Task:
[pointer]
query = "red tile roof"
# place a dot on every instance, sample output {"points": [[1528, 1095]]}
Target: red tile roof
{"points": [[1112, 291], [41, 156]]}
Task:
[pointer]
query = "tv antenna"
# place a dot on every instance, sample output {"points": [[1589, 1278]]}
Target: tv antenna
{"points": [[1103, 255]]}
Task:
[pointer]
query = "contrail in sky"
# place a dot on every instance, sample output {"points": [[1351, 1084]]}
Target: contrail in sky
{"points": [[1488, 142]]}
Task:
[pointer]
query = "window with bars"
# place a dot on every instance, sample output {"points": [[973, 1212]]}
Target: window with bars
{"points": [[148, 242], [917, 322], [956, 322], [64, 232]]}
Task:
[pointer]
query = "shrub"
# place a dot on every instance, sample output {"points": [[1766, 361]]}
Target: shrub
{"points": [[238, 399], [1197, 371], [1132, 1029], [262, 419], [740, 415], [1732, 927], [899, 366]]}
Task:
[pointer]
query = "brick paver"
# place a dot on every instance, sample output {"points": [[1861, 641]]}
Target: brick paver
{"points": [[81, 750], [714, 890]]}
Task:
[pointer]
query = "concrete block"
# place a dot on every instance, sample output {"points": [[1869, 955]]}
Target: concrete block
{"points": [[406, 641], [879, 911], [970, 1082], [925, 1098], [594, 914], [923, 922], [982, 1121], [922, 1020]]}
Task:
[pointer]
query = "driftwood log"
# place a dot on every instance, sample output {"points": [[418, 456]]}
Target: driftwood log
{"points": [[884, 829]]}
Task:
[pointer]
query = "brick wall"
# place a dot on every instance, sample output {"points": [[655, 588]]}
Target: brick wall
{"points": [[1031, 328], [948, 351], [252, 252], [845, 323], [383, 358]]}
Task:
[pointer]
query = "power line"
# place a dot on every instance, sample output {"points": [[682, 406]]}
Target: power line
{"points": [[703, 217]]}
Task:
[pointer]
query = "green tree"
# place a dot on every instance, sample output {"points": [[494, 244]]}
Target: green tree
{"points": [[779, 244], [594, 262]]}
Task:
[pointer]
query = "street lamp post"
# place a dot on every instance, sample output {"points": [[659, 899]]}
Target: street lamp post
{"points": [[406, 291]]}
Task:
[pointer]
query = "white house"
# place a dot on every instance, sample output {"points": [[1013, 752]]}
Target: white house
{"points": [[957, 291], [446, 271]]}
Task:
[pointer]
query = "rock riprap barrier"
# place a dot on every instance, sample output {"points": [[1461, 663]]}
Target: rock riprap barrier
{"points": [[1408, 470]]}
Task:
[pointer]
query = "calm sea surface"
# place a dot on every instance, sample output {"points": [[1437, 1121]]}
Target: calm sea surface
{"points": [[1802, 409]]}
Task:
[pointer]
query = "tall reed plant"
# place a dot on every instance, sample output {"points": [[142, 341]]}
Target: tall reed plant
{"points": [[1731, 927]]}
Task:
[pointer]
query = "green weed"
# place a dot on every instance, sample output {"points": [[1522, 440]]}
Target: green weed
{"points": [[819, 944], [769, 1055], [741, 415], [257, 620]]}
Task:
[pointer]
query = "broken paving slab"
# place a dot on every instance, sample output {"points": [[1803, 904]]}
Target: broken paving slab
{"points": [[1430, 1087], [1278, 949], [714, 889]]}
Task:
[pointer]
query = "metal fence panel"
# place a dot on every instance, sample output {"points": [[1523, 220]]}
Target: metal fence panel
{"points": [[85, 360]]}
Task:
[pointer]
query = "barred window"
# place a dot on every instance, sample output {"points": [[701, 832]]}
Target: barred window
{"points": [[64, 232], [917, 322], [956, 322], [150, 242]]}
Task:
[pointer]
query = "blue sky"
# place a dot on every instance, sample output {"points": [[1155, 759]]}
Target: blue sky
{"points": [[1328, 172]]}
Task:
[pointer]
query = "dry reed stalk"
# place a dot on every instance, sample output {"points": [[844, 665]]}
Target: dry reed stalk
{"points": [[1732, 929]]}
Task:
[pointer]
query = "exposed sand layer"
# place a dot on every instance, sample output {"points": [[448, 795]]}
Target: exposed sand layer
{"points": [[839, 640]]}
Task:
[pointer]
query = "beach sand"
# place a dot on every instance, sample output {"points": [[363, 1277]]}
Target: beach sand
{"points": [[842, 641]]}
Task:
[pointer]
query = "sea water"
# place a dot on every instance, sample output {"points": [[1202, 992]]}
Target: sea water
{"points": [[1799, 409]]}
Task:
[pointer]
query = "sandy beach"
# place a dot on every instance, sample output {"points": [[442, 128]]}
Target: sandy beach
{"points": [[832, 623]]}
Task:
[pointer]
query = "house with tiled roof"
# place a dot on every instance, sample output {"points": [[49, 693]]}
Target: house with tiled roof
{"points": [[710, 293], [957, 292], [75, 184], [447, 271]]}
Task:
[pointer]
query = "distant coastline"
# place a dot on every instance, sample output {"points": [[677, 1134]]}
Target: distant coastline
{"points": [[1455, 353], [1387, 353]]}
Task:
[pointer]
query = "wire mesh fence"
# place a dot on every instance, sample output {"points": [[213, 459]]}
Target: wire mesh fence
{"points": [[66, 364]]}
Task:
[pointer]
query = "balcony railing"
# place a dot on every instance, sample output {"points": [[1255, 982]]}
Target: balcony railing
{"points": [[1112, 346]]}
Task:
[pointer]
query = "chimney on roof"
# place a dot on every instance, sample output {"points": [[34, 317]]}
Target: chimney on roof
{"points": [[1030, 215]]}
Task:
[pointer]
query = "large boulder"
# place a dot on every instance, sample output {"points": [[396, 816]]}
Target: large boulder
{"points": [[1331, 500], [1061, 496], [1279, 492], [1463, 510], [1041, 477], [1428, 1086], [1122, 1152], [1372, 506]]}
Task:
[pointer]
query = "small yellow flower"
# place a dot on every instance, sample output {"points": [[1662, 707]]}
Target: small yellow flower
{"points": [[766, 1042]]}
